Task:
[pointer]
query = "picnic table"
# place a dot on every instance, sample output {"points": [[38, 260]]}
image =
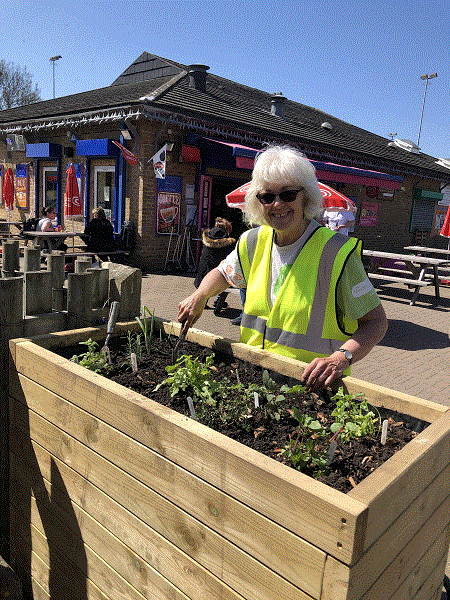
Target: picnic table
{"points": [[42, 235], [411, 271], [422, 250]]}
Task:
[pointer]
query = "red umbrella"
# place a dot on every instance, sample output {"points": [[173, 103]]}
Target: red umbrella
{"points": [[8, 189], [445, 231], [331, 198], [72, 204], [334, 199]]}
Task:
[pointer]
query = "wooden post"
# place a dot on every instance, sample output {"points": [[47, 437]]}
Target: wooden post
{"points": [[31, 259], [82, 264], [11, 326], [37, 292], [79, 299], [55, 264], [100, 290], [10, 258]]}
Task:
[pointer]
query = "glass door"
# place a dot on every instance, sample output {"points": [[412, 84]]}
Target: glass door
{"points": [[104, 189], [49, 182]]}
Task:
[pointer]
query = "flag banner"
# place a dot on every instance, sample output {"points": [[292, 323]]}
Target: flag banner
{"points": [[159, 163], [128, 156]]}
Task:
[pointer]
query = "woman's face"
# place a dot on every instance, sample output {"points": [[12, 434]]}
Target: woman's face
{"points": [[287, 218]]}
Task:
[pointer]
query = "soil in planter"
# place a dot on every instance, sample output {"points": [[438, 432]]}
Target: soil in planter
{"points": [[351, 460]]}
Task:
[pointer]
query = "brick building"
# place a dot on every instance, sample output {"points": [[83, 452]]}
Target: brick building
{"points": [[213, 128]]}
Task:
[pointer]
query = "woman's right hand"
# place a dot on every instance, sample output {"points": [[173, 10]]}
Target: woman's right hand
{"points": [[190, 310]]}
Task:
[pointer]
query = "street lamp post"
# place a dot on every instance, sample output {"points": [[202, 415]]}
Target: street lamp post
{"points": [[427, 79], [53, 59]]}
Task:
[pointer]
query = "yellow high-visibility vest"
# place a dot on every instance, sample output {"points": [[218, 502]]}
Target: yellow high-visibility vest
{"points": [[303, 321]]}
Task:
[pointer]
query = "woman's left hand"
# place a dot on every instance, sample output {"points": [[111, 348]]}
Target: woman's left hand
{"points": [[321, 372]]}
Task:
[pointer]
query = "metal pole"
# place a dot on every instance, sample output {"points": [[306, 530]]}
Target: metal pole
{"points": [[53, 59], [423, 107]]}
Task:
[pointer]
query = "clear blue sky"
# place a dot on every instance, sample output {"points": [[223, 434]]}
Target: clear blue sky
{"points": [[358, 61]]}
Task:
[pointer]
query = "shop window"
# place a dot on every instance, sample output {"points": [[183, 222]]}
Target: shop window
{"points": [[104, 189]]}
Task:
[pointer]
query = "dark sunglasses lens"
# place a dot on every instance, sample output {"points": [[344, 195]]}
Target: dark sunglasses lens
{"points": [[266, 198], [288, 195]]}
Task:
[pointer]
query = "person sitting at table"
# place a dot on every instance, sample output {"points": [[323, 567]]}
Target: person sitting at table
{"points": [[46, 224], [99, 234]]}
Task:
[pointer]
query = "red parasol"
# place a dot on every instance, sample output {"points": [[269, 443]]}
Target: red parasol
{"points": [[8, 190], [445, 231], [334, 199], [331, 198], [72, 204]]}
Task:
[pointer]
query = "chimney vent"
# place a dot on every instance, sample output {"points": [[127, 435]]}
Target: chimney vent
{"points": [[277, 104], [197, 77]]}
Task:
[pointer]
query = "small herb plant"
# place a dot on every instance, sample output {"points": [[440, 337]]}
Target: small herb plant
{"points": [[143, 323], [353, 417], [92, 359]]}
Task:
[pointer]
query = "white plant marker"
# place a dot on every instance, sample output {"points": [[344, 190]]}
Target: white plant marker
{"points": [[237, 377], [191, 408], [75, 359], [256, 397], [384, 430], [134, 365]]}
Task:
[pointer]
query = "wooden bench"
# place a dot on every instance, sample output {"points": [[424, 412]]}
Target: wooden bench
{"points": [[393, 278]]}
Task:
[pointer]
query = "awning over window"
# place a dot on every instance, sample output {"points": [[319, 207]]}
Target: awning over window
{"points": [[326, 171], [43, 151], [97, 147]]}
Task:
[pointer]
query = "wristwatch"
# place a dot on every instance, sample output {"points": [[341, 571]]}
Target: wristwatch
{"points": [[348, 355]]}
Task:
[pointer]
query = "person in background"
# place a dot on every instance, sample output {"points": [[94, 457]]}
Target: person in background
{"points": [[338, 220], [99, 234], [46, 224], [217, 244], [308, 295]]}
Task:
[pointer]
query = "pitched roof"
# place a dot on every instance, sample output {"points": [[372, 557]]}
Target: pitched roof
{"points": [[158, 84]]}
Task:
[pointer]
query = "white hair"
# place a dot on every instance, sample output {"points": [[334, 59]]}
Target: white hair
{"points": [[282, 166]]}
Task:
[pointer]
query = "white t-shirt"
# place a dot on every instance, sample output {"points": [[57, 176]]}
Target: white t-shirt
{"points": [[338, 217]]}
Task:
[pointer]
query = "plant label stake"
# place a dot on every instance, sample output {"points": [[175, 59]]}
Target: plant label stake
{"points": [[191, 408], [331, 452], [113, 314], [384, 430], [256, 398], [133, 359], [237, 377]]}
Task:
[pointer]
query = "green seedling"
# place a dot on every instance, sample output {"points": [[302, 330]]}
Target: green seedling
{"points": [[92, 359], [144, 325], [353, 417]]}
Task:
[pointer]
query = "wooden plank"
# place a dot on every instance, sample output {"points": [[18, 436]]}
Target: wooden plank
{"points": [[264, 540], [98, 542], [325, 517], [335, 580], [396, 537], [415, 282], [150, 551], [425, 581], [52, 575], [403, 477], [408, 559]]}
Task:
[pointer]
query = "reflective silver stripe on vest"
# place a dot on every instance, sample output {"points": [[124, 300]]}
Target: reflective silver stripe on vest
{"points": [[311, 341], [252, 239]]}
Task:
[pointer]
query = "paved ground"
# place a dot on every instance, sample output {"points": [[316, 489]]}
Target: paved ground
{"points": [[414, 356]]}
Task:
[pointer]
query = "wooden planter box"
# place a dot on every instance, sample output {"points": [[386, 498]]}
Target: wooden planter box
{"points": [[114, 496]]}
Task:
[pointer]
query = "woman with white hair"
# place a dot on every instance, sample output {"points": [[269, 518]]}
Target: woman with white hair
{"points": [[308, 295]]}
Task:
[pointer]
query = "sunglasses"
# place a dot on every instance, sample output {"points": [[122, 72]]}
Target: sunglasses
{"points": [[269, 197]]}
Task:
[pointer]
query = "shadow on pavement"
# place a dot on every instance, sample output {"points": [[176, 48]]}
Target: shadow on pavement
{"points": [[410, 336]]}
